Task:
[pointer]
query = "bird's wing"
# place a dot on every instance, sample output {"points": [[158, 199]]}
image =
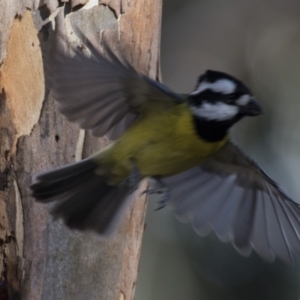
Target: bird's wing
{"points": [[100, 92], [231, 195]]}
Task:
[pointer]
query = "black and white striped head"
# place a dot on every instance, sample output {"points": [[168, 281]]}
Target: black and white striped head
{"points": [[219, 97]]}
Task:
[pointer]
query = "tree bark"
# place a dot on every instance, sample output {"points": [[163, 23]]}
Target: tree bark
{"points": [[40, 258]]}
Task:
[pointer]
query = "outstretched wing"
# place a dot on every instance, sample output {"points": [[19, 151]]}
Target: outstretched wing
{"points": [[240, 202], [100, 92]]}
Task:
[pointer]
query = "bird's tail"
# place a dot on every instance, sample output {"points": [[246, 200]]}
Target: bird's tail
{"points": [[83, 200]]}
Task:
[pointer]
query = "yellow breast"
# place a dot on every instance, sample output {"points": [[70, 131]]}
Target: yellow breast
{"points": [[161, 143]]}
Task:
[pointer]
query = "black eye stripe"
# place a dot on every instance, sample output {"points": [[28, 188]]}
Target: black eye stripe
{"points": [[232, 96], [211, 97]]}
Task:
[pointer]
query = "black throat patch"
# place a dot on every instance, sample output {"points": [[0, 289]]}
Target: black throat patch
{"points": [[213, 131], [210, 131]]}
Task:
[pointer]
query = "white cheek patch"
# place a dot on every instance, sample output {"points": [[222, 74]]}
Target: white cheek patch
{"points": [[243, 100], [218, 111], [224, 86]]}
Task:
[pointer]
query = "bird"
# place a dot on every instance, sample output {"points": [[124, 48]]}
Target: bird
{"points": [[181, 141]]}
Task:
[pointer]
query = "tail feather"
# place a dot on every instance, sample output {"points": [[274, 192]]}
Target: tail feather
{"points": [[65, 171], [82, 199], [45, 191]]}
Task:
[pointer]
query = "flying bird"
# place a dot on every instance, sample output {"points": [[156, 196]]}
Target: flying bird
{"points": [[181, 141]]}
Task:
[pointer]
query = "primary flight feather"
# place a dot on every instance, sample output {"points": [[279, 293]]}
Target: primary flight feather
{"points": [[180, 140]]}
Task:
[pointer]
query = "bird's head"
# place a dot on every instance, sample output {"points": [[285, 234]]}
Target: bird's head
{"points": [[219, 97]]}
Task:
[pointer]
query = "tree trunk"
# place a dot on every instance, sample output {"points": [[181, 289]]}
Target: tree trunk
{"points": [[40, 258]]}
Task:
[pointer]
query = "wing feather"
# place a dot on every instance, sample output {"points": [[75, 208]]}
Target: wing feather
{"points": [[290, 231], [259, 237], [275, 232], [183, 207], [101, 92], [188, 207], [209, 209], [243, 224], [240, 202], [223, 223]]}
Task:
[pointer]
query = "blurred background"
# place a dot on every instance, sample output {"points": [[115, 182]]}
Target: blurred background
{"points": [[259, 42]]}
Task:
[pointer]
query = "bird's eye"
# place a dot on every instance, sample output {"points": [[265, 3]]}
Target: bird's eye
{"points": [[230, 98]]}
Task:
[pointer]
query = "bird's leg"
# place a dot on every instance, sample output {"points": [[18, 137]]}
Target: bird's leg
{"points": [[134, 178], [162, 190]]}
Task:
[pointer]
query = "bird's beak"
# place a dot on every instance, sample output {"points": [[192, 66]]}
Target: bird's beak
{"points": [[253, 108]]}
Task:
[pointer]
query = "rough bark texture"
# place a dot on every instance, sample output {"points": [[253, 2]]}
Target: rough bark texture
{"points": [[39, 258]]}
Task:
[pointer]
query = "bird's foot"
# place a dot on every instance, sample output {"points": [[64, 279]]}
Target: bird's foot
{"points": [[134, 178], [163, 191]]}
